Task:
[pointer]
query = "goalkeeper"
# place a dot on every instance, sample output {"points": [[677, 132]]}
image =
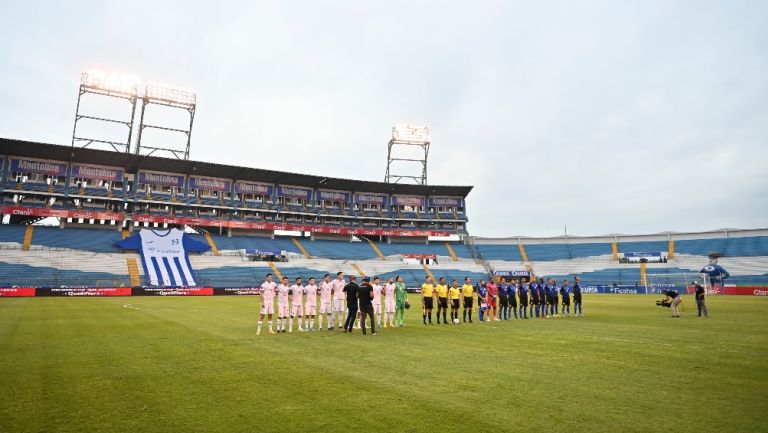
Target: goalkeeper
{"points": [[401, 299]]}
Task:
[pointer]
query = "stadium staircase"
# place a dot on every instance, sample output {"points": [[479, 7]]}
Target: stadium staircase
{"points": [[27, 238], [133, 271], [478, 257], [451, 252], [301, 248]]}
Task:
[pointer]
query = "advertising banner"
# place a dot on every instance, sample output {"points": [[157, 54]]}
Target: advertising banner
{"points": [[334, 196], [38, 167], [643, 255], [85, 291], [261, 189], [407, 200], [261, 252], [210, 184], [294, 192], [168, 291], [98, 173], [379, 199], [61, 213], [164, 179], [512, 274], [419, 256], [444, 202], [237, 291], [13, 292]]}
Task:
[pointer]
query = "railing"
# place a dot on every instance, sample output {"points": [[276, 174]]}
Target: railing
{"points": [[477, 256]]}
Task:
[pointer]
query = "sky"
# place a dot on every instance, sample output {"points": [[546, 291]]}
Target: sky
{"points": [[603, 116]]}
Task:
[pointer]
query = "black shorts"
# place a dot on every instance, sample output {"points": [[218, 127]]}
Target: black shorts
{"points": [[442, 302], [523, 302], [468, 302], [454, 303], [566, 301], [504, 301], [513, 301], [428, 303], [535, 301], [577, 300]]}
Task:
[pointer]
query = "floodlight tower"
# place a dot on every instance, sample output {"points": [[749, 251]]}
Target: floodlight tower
{"points": [[172, 97], [404, 136], [109, 85]]}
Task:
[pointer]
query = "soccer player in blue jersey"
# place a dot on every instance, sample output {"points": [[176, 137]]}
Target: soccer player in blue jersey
{"points": [[577, 296], [542, 297], [482, 300], [553, 298], [504, 298], [565, 293], [522, 293], [513, 296], [535, 299]]}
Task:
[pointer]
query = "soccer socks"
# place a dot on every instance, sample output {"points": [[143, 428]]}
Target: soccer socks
{"points": [[429, 316], [424, 318], [464, 316], [444, 316]]}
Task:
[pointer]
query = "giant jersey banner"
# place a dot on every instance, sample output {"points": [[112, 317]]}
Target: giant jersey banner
{"points": [[164, 254]]}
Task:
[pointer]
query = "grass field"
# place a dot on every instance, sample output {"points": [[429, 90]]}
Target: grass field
{"points": [[196, 364]]}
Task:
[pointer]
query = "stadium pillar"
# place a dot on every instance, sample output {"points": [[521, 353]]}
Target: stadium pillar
{"points": [[643, 271], [615, 249], [671, 249]]}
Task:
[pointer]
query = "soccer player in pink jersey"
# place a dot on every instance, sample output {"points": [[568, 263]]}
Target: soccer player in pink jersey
{"points": [[310, 305], [339, 299], [283, 292], [326, 302], [389, 303], [297, 305], [267, 302], [377, 289]]}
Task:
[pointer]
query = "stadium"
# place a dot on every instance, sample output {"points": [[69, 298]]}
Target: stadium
{"points": [[146, 289]]}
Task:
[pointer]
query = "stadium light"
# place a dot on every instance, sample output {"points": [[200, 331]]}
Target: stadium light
{"points": [[168, 94], [410, 134], [110, 82]]}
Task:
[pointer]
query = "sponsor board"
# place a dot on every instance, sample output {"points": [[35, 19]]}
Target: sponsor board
{"points": [[511, 274], [444, 202], [165, 179], [332, 196], [94, 172], [13, 292], [38, 167], [84, 291], [294, 192], [407, 200], [210, 184], [261, 189], [60, 213], [250, 291], [170, 291]]}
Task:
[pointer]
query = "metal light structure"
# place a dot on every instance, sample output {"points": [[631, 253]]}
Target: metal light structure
{"points": [[172, 97], [403, 137], [111, 85]]}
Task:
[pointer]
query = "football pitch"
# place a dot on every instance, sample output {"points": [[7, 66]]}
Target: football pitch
{"points": [[196, 365]]}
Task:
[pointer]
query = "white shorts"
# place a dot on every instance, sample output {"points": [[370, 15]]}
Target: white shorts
{"points": [[268, 308], [310, 309], [339, 305], [326, 308], [296, 310], [389, 307], [376, 307], [282, 310]]}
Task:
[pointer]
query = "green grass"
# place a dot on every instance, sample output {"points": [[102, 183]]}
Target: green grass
{"points": [[196, 364]]}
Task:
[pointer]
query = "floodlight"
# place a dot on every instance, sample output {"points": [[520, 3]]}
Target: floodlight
{"points": [[169, 94], [410, 134], [109, 82]]}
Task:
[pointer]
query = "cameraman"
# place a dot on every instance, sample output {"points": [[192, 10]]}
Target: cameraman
{"points": [[675, 299], [699, 292]]}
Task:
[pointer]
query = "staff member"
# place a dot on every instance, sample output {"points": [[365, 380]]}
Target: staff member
{"points": [[676, 299], [351, 292], [700, 292], [365, 296]]}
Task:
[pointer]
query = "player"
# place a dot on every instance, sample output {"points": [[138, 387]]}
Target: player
{"points": [[522, 293], [267, 302], [297, 305], [389, 303], [283, 290], [513, 290], [482, 300], [401, 299], [542, 297], [339, 299], [565, 295], [377, 289], [326, 302], [454, 293], [493, 294], [553, 310], [535, 299], [504, 299], [427, 299], [467, 292], [577, 296], [310, 306], [442, 300]]}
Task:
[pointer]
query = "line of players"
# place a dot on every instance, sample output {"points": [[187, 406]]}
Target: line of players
{"points": [[291, 303], [500, 300]]}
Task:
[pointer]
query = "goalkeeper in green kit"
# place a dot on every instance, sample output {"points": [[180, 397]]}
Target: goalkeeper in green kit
{"points": [[401, 300]]}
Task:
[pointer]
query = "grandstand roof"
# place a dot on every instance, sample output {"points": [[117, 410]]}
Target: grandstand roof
{"points": [[132, 163]]}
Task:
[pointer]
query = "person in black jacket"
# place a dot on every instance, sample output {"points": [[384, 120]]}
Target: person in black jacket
{"points": [[351, 292], [675, 300], [365, 296], [700, 293], [577, 296]]}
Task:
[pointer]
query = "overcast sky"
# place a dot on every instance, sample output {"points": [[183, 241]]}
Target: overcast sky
{"points": [[610, 117]]}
